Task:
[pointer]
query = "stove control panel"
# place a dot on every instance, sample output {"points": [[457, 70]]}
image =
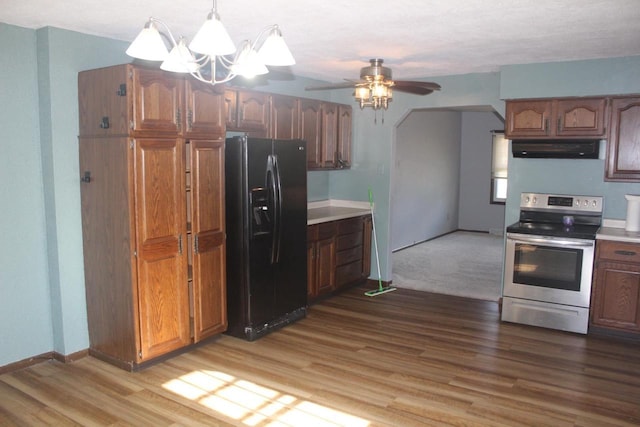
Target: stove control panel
{"points": [[561, 202]]}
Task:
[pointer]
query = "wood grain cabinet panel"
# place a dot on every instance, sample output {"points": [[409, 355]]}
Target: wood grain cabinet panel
{"points": [[208, 237], [247, 111], [285, 117], [623, 156], [556, 118], [339, 254], [616, 288], [152, 212]]}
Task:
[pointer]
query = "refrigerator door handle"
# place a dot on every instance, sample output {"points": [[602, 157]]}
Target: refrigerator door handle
{"points": [[278, 200], [272, 186]]}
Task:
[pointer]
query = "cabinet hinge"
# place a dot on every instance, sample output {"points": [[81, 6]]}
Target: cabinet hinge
{"points": [[130, 124], [135, 254], [195, 244], [140, 354], [122, 91], [131, 144], [180, 244]]}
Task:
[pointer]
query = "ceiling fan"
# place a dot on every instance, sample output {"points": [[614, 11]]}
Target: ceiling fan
{"points": [[374, 89]]}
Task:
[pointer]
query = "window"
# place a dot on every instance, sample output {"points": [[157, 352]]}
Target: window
{"points": [[499, 159]]}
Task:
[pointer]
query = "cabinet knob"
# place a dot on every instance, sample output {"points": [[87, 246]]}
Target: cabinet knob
{"points": [[86, 177]]}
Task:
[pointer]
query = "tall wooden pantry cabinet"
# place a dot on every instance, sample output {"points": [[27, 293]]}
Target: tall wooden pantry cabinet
{"points": [[152, 191]]}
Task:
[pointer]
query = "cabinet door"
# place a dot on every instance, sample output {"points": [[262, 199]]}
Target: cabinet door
{"points": [[205, 109], [253, 113], [581, 117], [285, 112], [310, 128], [528, 118], [312, 273], [623, 157], [326, 265], [231, 108], [163, 302], [329, 134], [157, 101], [344, 136], [616, 299], [208, 237], [103, 105]]}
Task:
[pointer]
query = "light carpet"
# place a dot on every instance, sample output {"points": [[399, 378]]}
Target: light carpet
{"points": [[462, 263]]}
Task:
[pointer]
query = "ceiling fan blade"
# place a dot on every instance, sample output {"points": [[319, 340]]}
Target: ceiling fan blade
{"points": [[341, 85], [416, 88]]}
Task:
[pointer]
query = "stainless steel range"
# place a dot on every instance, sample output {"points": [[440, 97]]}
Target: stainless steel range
{"points": [[549, 261]]}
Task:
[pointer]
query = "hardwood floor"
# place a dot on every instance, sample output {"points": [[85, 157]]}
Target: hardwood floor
{"points": [[404, 358]]}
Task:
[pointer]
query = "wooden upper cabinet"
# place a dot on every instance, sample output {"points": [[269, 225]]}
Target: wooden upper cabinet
{"points": [[556, 118], [329, 134], [205, 109], [157, 101], [528, 118], [285, 117], [248, 111], [581, 117], [345, 123], [623, 157], [311, 129]]}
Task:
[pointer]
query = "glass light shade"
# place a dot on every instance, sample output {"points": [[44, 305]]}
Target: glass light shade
{"points": [[148, 45], [274, 50], [212, 39], [179, 60], [362, 92], [379, 91], [248, 63]]}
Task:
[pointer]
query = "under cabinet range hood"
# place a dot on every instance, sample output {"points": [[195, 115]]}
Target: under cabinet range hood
{"points": [[555, 149]]}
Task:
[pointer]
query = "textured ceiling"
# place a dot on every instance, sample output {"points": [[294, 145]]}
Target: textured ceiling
{"points": [[332, 40]]}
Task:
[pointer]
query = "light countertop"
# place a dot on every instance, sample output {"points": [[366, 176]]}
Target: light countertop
{"points": [[614, 230], [332, 210]]}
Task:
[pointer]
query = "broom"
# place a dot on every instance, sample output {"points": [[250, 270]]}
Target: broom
{"points": [[381, 289]]}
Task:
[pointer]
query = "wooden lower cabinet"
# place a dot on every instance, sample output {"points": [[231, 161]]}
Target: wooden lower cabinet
{"points": [[154, 245], [339, 255], [615, 301]]}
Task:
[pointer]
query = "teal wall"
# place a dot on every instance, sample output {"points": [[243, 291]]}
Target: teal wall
{"points": [[42, 303], [25, 303]]}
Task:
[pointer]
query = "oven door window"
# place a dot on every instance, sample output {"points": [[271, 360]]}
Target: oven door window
{"points": [[547, 266]]}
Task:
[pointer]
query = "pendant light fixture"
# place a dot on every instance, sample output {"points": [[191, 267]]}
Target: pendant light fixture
{"points": [[211, 56]]}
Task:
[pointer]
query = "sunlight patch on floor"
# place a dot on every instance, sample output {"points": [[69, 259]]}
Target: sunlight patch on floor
{"points": [[253, 404]]}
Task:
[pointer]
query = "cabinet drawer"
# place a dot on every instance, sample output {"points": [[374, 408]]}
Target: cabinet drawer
{"points": [[348, 273], [349, 241], [349, 255], [618, 251], [321, 231], [312, 233], [350, 225]]}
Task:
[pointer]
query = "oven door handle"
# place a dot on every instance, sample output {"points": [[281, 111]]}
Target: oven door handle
{"points": [[552, 241]]}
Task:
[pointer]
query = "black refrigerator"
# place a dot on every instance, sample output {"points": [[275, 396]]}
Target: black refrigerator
{"points": [[266, 216]]}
